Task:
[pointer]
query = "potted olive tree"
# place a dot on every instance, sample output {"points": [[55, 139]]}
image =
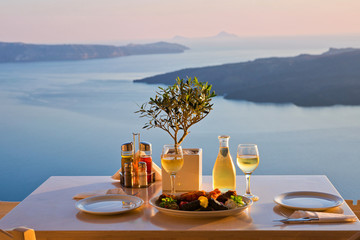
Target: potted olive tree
{"points": [[175, 109]]}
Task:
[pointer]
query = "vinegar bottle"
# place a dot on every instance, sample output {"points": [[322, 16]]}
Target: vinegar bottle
{"points": [[145, 156], [224, 174]]}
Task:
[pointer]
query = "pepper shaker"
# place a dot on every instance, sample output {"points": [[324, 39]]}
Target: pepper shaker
{"points": [[128, 174]]}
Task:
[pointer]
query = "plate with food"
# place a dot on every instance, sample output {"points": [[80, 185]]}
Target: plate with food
{"points": [[199, 204]]}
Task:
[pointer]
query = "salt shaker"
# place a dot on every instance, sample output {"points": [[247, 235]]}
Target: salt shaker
{"points": [[142, 174]]}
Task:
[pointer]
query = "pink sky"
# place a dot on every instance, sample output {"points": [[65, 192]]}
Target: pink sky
{"points": [[83, 21]]}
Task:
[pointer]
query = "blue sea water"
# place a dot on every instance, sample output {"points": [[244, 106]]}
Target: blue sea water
{"points": [[70, 118]]}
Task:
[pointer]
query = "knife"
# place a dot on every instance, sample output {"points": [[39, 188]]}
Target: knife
{"points": [[296, 220]]}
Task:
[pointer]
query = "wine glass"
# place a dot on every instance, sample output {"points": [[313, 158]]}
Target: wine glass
{"points": [[172, 160], [248, 161]]}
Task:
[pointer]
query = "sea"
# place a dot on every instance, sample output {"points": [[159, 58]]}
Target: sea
{"points": [[70, 118]]}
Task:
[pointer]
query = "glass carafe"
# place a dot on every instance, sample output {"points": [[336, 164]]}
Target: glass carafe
{"points": [[224, 174]]}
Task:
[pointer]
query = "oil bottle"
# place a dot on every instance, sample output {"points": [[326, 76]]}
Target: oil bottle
{"points": [[127, 155]]}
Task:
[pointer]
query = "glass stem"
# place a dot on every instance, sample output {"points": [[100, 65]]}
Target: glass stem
{"points": [[247, 176], [172, 178]]}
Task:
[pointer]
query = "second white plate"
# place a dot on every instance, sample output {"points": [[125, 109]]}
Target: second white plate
{"points": [[109, 204], [312, 201]]}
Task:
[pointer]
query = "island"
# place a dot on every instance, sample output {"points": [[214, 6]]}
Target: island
{"points": [[22, 52], [331, 78]]}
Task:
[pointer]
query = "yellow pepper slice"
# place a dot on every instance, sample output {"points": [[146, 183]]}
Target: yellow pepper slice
{"points": [[203, 201]]}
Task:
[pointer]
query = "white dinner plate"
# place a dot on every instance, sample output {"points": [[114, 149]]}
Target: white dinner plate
{"points": [[109, 204], [201, 214], [313, 201]]}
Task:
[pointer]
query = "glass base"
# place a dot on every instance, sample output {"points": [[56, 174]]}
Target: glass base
{"points": [[251, 196]]}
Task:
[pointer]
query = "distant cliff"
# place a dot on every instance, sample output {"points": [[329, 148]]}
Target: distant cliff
{"points": [[306, 80], [21, 52]]}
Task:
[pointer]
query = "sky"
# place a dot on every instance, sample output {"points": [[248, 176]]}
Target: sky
{"points": [[85, 21]]}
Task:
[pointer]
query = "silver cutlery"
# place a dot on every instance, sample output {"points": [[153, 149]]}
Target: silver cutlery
{"points": [[296, 220]]}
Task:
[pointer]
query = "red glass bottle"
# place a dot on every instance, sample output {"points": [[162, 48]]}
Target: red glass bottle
{"points": [[145, 156]]}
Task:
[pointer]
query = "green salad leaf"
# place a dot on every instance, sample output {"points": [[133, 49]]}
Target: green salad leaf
{"points": [[238, 199], [168, 202]]}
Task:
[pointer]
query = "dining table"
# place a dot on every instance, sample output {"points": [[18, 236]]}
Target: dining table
{"points": [[50, 210]]}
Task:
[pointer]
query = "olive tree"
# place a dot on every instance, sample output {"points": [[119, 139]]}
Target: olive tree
{"points": [[176, 108]]}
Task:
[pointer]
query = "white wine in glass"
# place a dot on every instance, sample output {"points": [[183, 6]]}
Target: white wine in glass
{"points": [[172, 160], [248, 161]]}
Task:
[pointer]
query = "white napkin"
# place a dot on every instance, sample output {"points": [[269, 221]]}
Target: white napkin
{"points": [[155, 168], [324, 216], [99, 192]]}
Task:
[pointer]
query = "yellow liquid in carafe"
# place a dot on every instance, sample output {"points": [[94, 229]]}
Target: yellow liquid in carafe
{"points": [[224, 174]]}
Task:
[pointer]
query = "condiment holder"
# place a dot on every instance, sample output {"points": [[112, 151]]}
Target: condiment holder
{"points": [[136, 166]]}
